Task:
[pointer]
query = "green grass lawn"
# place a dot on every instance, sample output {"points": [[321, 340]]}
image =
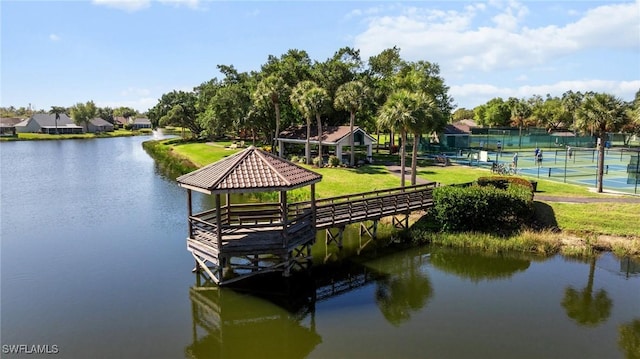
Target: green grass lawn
{"points": [[202, 154], [595, 218]]}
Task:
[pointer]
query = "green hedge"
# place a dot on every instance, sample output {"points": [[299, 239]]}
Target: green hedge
{"points": [[481, 208]]}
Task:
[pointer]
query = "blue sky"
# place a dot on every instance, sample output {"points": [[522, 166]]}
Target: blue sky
{"points": [[129, 53]]}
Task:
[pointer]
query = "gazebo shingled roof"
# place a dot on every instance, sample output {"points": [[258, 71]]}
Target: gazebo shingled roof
{"points": [[251, 170]]}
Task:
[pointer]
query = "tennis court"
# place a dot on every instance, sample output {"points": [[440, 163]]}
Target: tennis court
{"points": [[580, 166]]}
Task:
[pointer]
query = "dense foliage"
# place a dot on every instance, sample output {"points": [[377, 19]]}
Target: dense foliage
{"points": [[483, 208]]}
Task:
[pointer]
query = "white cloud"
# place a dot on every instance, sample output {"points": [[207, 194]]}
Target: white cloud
{"points": [[125, 5], [54, 37], [192, 4], [136, 5], [461, 41]]}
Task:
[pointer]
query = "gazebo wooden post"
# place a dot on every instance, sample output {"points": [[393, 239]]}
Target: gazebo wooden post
{"points": [[218, 223], [227, 199], [284, 217], [189, 212], [313, 206]]}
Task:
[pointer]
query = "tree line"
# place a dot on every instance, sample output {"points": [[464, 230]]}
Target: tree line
{"points": [[567, 112], [386, 93]]}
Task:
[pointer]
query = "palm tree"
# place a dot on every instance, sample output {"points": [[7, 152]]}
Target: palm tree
{"points": [[272, 89], [603, 113], [583, 306], [311, 101], [351, 96], [520, 112], [398, 113], [427, 119], [57, 110]]}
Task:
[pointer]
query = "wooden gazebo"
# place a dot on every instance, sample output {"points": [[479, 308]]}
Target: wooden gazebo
{"points": [[234, 241]]}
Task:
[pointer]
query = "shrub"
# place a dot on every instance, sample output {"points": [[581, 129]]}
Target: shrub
{"points": [[334, 161], [317, 161], [503, 182], [303, 160], [482, 208], [295, 158]]}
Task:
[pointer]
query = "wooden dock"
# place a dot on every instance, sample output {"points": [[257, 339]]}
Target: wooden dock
{"points": [[235, 241], [252, 234]]}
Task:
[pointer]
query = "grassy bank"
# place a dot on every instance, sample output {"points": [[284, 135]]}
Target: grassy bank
{"points": [[581, 233], [163, 153]]}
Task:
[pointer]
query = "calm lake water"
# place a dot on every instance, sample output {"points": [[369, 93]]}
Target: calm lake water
{"points": [[94, 265]]}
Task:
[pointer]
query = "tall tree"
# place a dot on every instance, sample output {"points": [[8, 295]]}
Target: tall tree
{"points": [[379, 76], [497, 112], [399, 113], [125, 112], [57, 111], [571, 102], [462, 114], [272, 90], [351, 97], [427, 119], [298, 101], [176, 108], [633, 113], [292, 67], [105, 113], [433, 104], [344, 66], [602, 113], [82, 113], [520, 112]]}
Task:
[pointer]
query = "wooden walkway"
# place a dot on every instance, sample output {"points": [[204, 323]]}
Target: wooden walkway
{"points": [[252, 238]]}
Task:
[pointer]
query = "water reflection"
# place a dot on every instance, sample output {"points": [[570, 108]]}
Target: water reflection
{"points": [[629, 267], [227, 323], [404, 289], [629, 339], [478, 266], [275, 314], [586, 307]]}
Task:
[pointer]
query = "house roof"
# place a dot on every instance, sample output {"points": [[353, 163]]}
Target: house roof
{"points": [[142, 120], [465, 125], [9, 121], [100, 122], [330, 134], [252, 170], [121, 120], [49, 120], [452, 129]]}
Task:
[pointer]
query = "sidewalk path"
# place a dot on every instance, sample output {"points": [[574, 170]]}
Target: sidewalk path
{"points": [[627, 199]]}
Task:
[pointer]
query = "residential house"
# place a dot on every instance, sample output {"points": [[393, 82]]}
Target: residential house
{"points": [[8, 125], [332, 136], [97, 125], [121, 121], [135, 123], [140, 123], [47, 123]]}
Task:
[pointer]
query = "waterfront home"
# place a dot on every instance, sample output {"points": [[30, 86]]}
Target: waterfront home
{"points": [[48, 123], [135, 123], [99, 125], [8, 125], [140, 123]]}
